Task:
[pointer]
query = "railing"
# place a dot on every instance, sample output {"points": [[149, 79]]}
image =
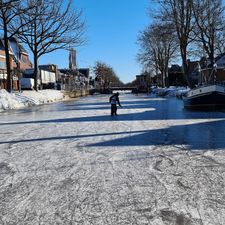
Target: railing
{"points": [[121, 88], [220, 83]]}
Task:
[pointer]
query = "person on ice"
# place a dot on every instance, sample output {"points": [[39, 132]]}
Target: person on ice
{"points": [[114, 100]]}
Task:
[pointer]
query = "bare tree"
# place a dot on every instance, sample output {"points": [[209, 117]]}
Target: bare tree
{"points": [[209, 16], [10, 10], [180, 14], [158, 46], [56, 24], [220, 44]]}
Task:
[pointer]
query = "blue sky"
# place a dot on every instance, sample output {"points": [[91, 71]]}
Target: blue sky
{"points": [[112, 29]]}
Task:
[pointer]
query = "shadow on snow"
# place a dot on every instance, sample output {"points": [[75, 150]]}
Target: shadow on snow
{"points": [[200, 136]]}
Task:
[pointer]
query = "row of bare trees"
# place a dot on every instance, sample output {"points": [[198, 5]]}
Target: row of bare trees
{"points": [[182, 28], [106, 76], [43, 25]]}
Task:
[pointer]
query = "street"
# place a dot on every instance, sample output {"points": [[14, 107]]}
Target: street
{"points": [[72, 163]]}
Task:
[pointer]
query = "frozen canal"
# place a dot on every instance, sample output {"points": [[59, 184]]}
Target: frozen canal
{"points": [[71, 163]]}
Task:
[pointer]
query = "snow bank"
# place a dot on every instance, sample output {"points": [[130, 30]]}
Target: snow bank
{"points": [[10, 101], [43, 96], [26, 98], [172, 91]]}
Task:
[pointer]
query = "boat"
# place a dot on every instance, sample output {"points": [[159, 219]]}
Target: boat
{"points": [[210, 96], [210, 92]]}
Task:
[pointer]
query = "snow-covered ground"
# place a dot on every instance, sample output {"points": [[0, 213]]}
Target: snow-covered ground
{"points": [[70, 163], [27, 98]]}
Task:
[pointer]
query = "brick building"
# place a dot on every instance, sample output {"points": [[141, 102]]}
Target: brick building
{"points": [[19, 61]]}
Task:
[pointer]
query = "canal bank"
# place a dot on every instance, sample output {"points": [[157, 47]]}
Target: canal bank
{"points": [[75, 93]]}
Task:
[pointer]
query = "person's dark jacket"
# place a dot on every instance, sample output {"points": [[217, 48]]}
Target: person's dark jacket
{"points": [[114, 99]]}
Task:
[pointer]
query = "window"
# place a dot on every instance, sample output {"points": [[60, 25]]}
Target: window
{"points": [[2, 65], [23, 58]]}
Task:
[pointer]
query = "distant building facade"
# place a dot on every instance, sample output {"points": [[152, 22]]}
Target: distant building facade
{"points": [[72, 59], [204, 72], [143, 82], [176, 76]]}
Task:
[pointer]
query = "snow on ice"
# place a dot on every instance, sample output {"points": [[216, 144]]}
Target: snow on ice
{"points": [[70, 163]]}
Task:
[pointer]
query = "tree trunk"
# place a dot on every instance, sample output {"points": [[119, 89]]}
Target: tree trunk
{"points": [[36, 72], [166, 79], [8, 69], [186, 73], [162, 79], [35, 52], [211, 57], [185, 68]]}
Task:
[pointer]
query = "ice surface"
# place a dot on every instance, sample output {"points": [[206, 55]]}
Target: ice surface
{"points": [[71, 163]]}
